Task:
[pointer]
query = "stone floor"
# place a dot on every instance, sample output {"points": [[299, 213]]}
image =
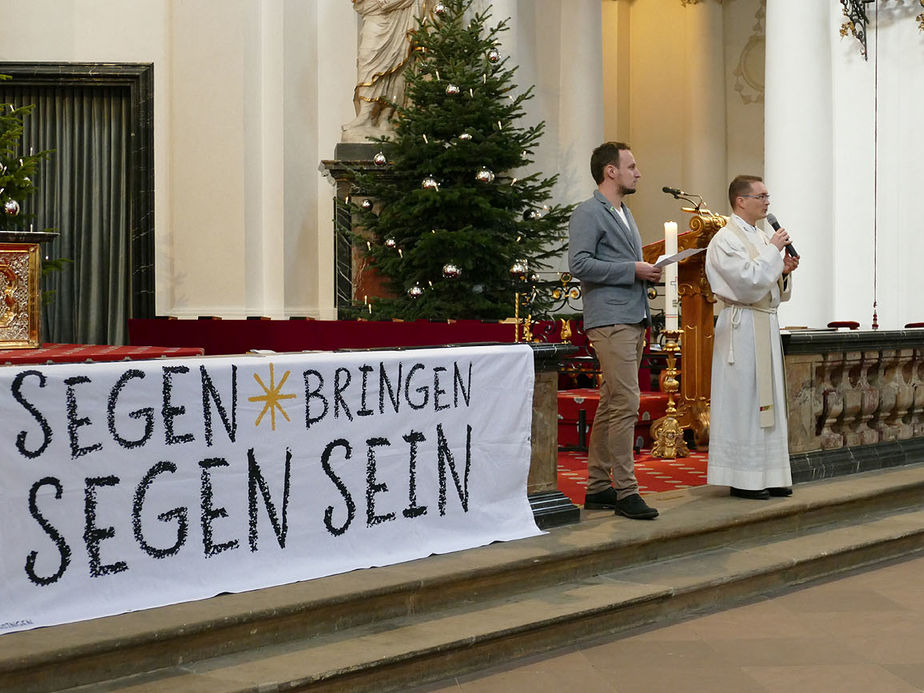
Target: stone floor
{"points": [[863, 632]]}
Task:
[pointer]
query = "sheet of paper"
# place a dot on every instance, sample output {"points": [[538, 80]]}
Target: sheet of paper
{"points": [[665, 260]]}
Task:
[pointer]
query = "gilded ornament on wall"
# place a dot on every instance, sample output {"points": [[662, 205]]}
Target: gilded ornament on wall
{"points": [[856, 17]]}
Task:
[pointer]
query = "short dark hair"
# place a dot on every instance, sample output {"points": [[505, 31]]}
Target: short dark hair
{"points": [[741, 185], [604, 155]]}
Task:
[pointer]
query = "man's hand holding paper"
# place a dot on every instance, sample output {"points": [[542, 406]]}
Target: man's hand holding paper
{"points": [[666, 260]]}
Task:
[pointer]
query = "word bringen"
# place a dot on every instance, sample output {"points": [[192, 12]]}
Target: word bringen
{"points": [[382, 389]]}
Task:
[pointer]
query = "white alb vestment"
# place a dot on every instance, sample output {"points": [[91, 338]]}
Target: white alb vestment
{"points": [[745, 270]]}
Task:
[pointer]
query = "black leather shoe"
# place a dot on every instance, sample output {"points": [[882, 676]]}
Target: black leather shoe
{"points": [[635, 508], [780, 491], [762, 494], [602, 500]]}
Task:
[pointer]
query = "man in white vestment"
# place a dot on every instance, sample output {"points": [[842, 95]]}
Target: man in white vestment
{"points": [[750, 274]]}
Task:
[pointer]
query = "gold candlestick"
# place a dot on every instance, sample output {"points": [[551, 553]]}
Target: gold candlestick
{"points": [[516, 317], [523, 326], [667, 431]]}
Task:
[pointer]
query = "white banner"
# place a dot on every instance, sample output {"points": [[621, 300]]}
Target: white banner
{"points": [[130, 485]]}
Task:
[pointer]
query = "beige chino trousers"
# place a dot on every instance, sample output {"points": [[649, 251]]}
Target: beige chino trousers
{"points": [[610, 454]]}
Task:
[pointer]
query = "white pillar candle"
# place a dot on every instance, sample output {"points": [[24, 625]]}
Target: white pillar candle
{"points": [[670, 277]]}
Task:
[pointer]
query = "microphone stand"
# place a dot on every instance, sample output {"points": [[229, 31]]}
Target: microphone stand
{"points": [[697, 209]]}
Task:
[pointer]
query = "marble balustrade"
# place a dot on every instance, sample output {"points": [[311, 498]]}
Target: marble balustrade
{"points": [[855, 400]]}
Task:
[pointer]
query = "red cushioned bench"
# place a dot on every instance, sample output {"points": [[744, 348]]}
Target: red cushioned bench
{"points": [[577, 408]]}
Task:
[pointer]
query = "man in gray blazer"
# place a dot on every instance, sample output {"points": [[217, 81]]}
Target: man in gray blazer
{"points": [[605, 253]]}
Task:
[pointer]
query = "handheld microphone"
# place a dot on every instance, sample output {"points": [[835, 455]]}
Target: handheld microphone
{"points": [[776, 227], [673, 191]]}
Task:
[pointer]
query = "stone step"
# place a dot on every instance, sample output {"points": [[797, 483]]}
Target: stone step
{"points": [[428, 619], [414, 650]]}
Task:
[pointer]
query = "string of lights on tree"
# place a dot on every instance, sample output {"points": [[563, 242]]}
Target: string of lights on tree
{"points": [[452, 229]]}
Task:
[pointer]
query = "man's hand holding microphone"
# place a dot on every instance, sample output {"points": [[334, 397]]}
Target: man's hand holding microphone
{"points": [[782, 241]]}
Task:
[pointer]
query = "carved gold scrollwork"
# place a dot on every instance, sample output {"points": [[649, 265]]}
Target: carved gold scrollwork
{"points": [[706, 222], [8, 303], [20, 268], [667, 432], [565, 331]]}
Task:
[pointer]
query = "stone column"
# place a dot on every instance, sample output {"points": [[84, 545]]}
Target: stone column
{"points": [[705, 157], [799, 151], [264, 212], [556, 46], [335, 80], [580, 109]]}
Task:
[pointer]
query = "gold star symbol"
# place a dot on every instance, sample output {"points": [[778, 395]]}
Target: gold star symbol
{"points": [[272, 397]]}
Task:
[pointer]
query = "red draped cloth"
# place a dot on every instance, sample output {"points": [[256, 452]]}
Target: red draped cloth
{"points": [[81, 353]]}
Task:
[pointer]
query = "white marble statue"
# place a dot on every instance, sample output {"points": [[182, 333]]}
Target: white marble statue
{"points": [[383, 51]]}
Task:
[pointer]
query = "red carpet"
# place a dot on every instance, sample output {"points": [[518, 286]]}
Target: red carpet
{"points": [[653, 474]]}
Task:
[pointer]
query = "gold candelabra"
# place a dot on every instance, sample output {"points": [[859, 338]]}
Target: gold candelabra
{"points": [[667, 431], [524, 325]]}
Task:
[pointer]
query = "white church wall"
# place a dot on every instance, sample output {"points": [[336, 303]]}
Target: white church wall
{"points": [[279, 124], [799, 148], [899, 160], [305, 197], [334, 72], [580, 107], [249, 97], [672, 93], [744, 45], [848, 239], [556, 46], [210, 165], [264, 216], [704, 109], [657, 110], [95, 31], [830, 135]]}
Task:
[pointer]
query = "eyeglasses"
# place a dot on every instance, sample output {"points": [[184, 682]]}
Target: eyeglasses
{"points": [[762, 196]]}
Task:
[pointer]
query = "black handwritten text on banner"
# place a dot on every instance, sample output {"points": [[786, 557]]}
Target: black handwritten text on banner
{"points": [[139, 484]]}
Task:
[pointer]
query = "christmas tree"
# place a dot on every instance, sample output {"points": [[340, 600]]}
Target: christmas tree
{"points": [[17, 170], [453, 231], [16, 167]]}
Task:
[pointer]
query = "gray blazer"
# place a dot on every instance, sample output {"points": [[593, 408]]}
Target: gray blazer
{"points": [[602, 253]]}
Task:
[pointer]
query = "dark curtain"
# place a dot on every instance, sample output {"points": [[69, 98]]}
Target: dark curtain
{"points": [[83, 193]]}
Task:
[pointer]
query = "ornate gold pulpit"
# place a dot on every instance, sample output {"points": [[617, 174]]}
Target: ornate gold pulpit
{"points": [[20, 289], [696, 322]]}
